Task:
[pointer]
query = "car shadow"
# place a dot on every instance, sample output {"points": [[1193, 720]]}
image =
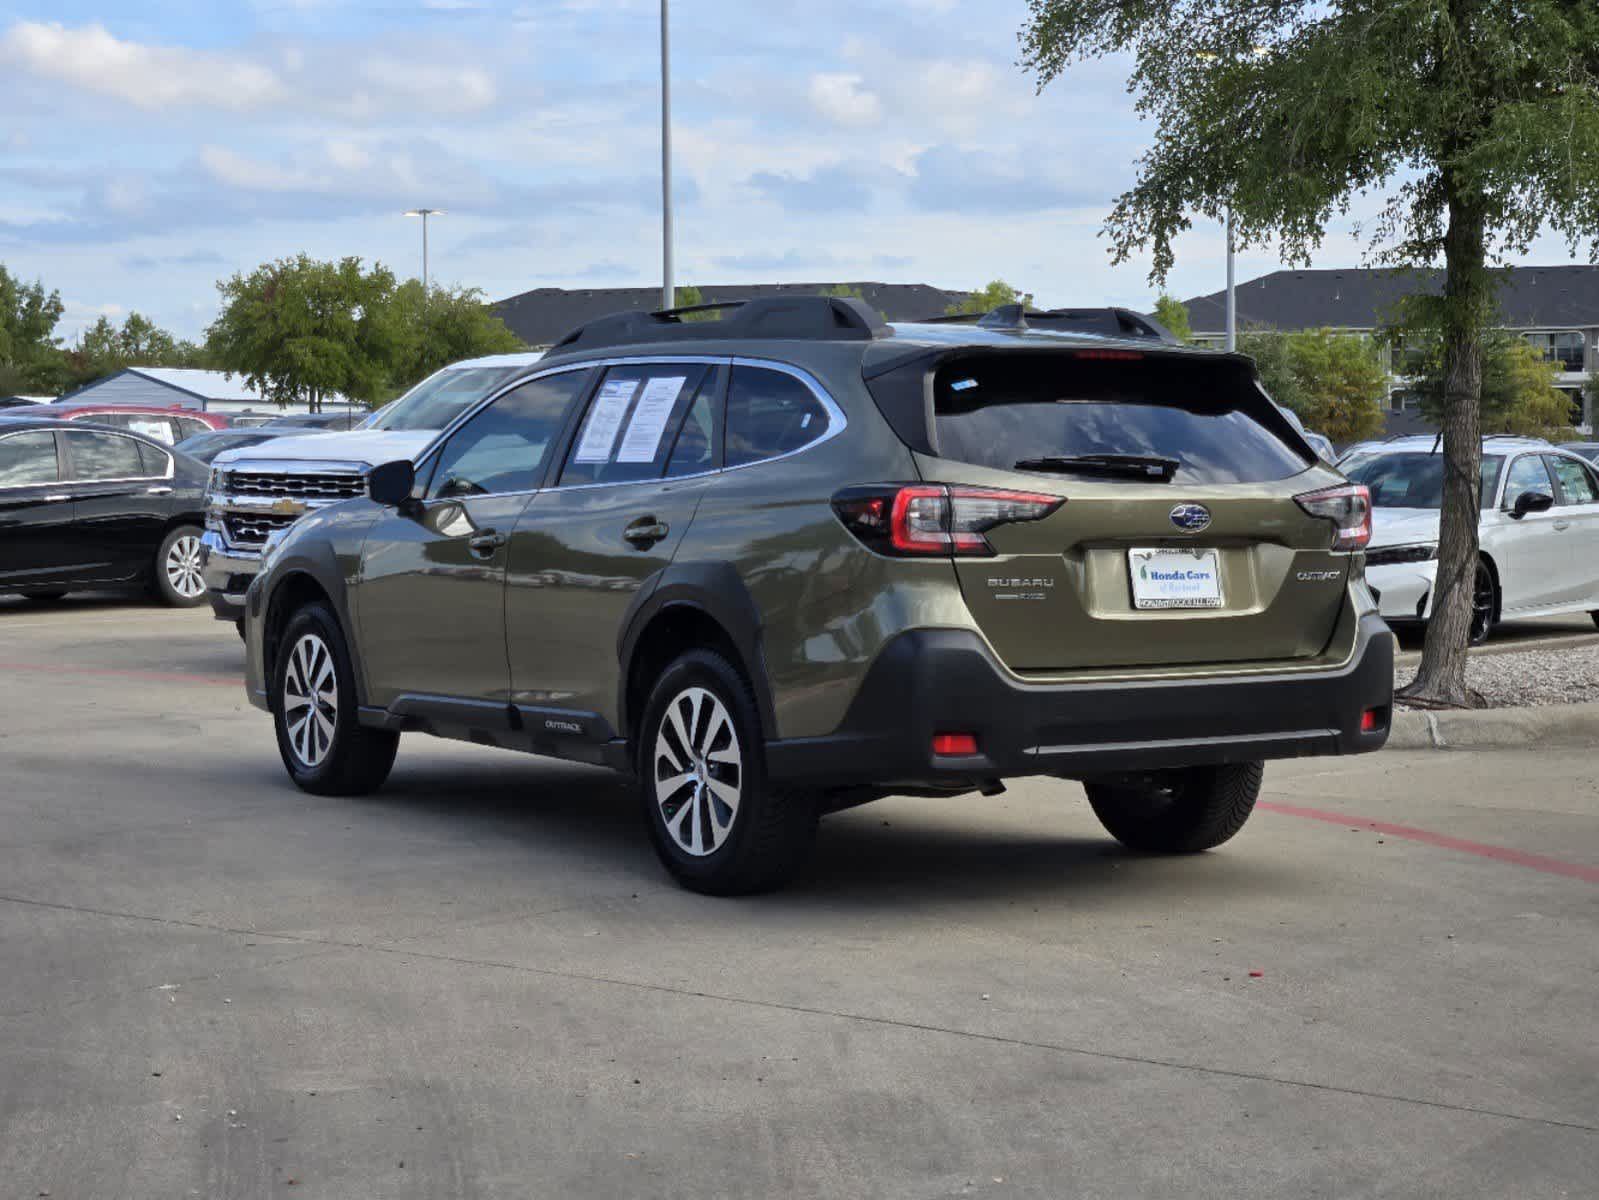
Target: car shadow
{"points": [[899, 854]]}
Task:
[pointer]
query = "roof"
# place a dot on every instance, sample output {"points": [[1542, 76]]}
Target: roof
{"points": [[1564, 297], [209, 385], [544, 315]]}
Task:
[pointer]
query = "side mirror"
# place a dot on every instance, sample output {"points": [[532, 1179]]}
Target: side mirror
{"points": [[1531, 502], [390, 484]]}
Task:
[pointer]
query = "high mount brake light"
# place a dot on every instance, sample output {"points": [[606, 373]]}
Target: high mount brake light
{"points": [[1348, 507], [1112, 355], [922, 519]]}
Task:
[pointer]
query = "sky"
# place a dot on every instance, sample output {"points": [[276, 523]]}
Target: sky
{"points": [[149, 149]]}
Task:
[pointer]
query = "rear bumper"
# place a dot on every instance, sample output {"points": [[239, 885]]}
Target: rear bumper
{"points": [[227, 574], [928, 682]]}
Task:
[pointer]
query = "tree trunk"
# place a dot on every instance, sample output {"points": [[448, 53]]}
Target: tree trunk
{"points": [[1441, 680]]}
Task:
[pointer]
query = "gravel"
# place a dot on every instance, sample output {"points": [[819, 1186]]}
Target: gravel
{"points": [[1521, 678]]}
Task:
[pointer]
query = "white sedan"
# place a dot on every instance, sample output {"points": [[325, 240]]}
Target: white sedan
{"points": [[1539, 530]]}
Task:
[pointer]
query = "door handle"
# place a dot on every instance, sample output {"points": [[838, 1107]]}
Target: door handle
{"points": [[486, 542], [1562, 525], [645, 532], [158, 491]]}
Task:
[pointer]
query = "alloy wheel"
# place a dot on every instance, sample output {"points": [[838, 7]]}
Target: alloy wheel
{"points": [[1482, 605], [310, 700], [698, 771], [183, 567]]}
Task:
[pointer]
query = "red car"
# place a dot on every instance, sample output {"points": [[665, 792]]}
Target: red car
{"points": [[170, 425]]}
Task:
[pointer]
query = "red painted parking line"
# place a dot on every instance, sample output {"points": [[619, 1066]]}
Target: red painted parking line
{"points": [[1536, 862], [151, 676]]}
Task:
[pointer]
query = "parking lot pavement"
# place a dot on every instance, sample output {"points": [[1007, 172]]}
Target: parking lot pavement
{"points": [[479, 982]]}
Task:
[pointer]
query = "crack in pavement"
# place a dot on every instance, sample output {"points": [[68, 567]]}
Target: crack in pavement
{"points": [[833, 1014]]}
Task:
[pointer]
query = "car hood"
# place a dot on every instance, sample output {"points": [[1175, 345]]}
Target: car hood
{"points": [[1403, 526], [370, 447]]}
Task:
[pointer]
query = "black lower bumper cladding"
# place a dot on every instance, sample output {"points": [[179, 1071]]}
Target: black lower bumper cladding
{"points": [[929, 682]]}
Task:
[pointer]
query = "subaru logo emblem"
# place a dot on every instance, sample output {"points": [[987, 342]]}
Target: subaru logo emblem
{"points": [[1191, 518]]}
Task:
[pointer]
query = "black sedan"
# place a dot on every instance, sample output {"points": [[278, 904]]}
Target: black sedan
{"points": [[86, 507]]}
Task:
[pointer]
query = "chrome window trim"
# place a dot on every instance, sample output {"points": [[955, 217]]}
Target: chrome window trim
{"points": [[56, 482], [837, 421], [126, 435]]}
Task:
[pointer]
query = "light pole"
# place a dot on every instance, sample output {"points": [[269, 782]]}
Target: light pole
{"points": [[1232, 293], [424, 213], [668, 292]]}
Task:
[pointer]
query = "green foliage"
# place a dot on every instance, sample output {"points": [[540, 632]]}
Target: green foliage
{"points": [[688, 297], [1519, 395], [441, 326], [1344, 383], [298, 330], [986, 300], [1269, 349], [1334, 382], [30, 355], [1173, 314], [104, 349], [843, 291]]}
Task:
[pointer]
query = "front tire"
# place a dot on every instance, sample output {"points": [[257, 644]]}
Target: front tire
{"points": [[1180, 811], [178, 582], [717, 824], [326, 750], [1484, 605]]}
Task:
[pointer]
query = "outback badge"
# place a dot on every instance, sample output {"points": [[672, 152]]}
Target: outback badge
{"points": [[1191, 518]]}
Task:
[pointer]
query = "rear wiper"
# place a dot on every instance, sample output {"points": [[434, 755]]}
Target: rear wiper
{"points": [[1144, 466]]}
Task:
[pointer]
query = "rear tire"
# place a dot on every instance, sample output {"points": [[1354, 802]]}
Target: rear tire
{"points": [[717, 824], [177, 581], [1181, 811], [326, 750]]}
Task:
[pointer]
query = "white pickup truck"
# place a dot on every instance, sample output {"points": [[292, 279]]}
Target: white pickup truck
{"points": [[256, 490]]}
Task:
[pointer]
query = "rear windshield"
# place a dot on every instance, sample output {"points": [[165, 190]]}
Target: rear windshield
{"points": [[1004, 410], [1415, 480], [440, 398]]}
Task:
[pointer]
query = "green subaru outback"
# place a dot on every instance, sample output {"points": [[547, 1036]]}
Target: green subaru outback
{"points": [[796, 559]]}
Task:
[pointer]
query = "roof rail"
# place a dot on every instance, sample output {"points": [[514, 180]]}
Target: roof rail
{"points": [[808, 318], [1107, 322]]}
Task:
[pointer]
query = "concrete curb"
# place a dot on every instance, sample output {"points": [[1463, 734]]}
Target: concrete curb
{"points": [[1555, 726]]}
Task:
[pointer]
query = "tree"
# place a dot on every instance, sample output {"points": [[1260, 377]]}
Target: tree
{"points": [[986, 300], [1173, 314], [30, 353], [688, 297], [1474, 122], [104, 349], [1343, 383], [1519, 395], [1269, 349], [299, 330], [443, 325]]}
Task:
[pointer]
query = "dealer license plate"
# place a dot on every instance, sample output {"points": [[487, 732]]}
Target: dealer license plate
{"points": [[1175, 578]]}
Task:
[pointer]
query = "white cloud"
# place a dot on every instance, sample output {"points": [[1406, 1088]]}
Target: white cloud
{"points": [[149, 77], [842, 100]]}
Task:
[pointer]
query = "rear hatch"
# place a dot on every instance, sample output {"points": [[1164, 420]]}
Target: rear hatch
{"points": [[1179, 540]]}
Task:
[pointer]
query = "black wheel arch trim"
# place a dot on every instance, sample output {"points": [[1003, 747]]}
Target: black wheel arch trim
{"points": [[319, 564], [716, 590]]}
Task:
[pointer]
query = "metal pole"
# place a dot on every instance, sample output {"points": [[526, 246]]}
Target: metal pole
{"points": [[1232, 294], [668, 291], [425, 215]]}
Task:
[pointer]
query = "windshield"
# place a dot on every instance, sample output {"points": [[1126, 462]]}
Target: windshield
{"points": [[1415, 480], [440, 398]]}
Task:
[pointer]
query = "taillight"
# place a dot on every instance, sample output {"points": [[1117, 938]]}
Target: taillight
{"points": [[932, 519], [1348, 507]]}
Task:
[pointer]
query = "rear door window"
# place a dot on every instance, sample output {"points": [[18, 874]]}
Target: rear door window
{"points": [[633, 423], [155, 463], [770, 413], [103, 456], [1001, 410], [27, 459]]}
